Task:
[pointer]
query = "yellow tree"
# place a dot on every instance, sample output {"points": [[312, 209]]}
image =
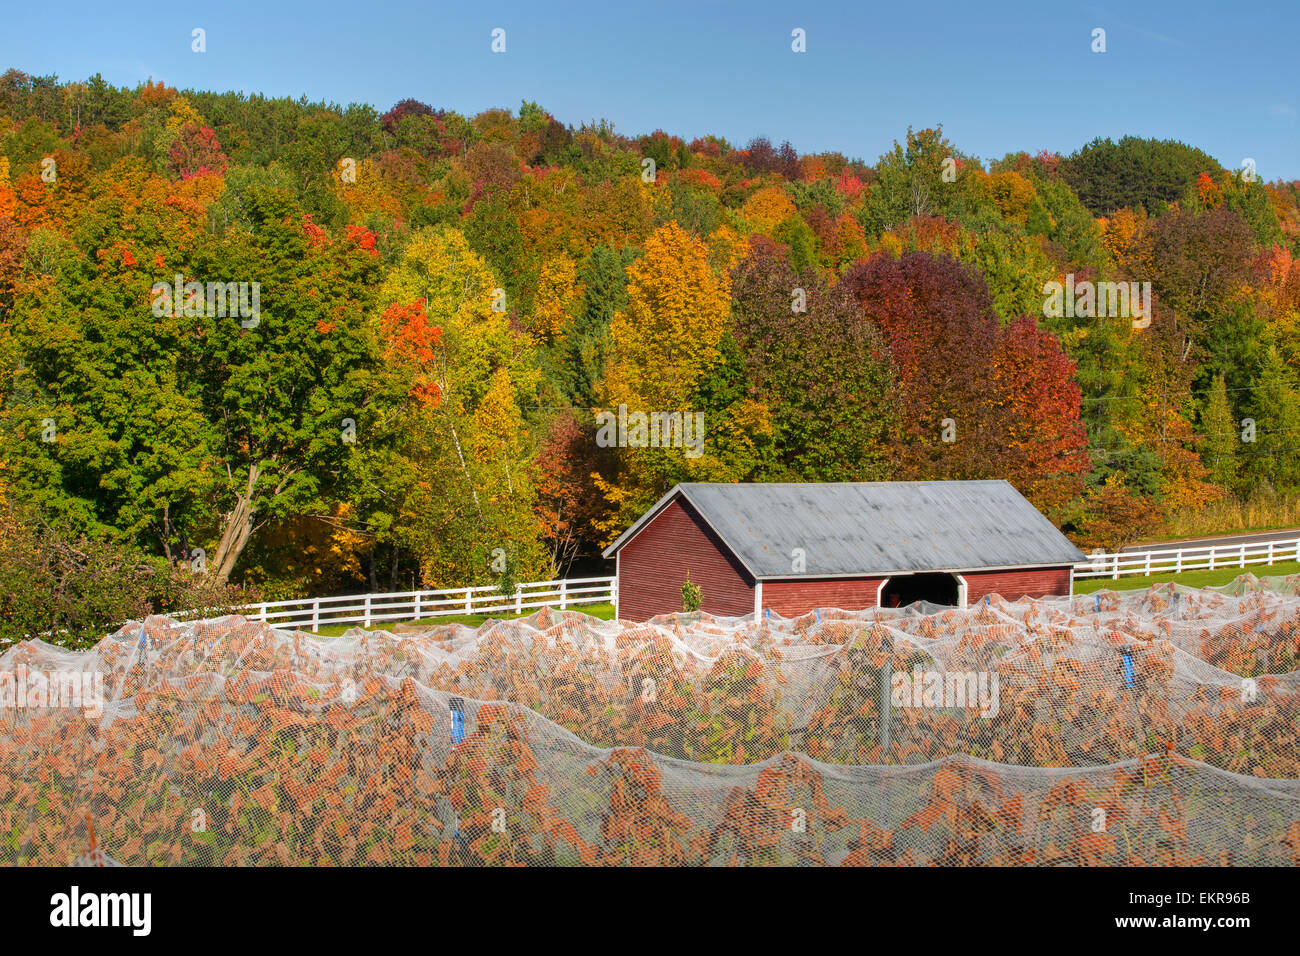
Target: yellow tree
{"points": [[1125, 238], [497, 437], [726, 248], [8, 198], [668, 335], [545, 205], [558, 294], [852, 241], [365, 189], [1009, 191], [767, 209], [1160, 421], [663, 347]]}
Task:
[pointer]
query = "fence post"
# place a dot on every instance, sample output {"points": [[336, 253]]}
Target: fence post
{"points": [[1115, 576], [564, 594], [261, 612], [417, 605], [886, 715], [315, 616], [1211, 558], [469, 600], [367, 623], [1148, 570], [1179, 568], [886, 708], [1243, 556], [519, 599], [1270, 552], [613, 586]]}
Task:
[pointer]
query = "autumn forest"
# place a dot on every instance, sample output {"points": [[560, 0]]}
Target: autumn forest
{"points": [[444, 304]]}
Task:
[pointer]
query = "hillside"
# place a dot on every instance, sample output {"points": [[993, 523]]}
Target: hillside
{"points": [[302, 347]]}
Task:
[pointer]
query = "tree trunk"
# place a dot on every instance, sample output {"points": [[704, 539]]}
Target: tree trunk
{"points": [[166, 535], [470, 481], [239, 528]]}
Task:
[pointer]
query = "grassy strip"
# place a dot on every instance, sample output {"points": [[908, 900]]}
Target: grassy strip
{"points": [[1203, 578], [603, 611], [1155, 544], [1234, 517]]}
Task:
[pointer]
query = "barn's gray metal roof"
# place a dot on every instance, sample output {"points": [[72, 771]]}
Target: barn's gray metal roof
{"points": [[856, 528]]}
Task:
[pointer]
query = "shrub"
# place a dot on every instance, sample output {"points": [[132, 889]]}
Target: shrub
{"points": [[72, 589], [692, 596]]}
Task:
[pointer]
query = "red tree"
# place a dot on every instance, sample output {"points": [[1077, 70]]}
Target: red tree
{"points": [[411, 341], [567, 500], [196, 152], [938, 321], [1046, 449], [1007, 394]]}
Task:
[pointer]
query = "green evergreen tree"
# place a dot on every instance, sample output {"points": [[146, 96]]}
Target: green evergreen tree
{"points": [[604, 281], [1222, 437], [1273, 456]]}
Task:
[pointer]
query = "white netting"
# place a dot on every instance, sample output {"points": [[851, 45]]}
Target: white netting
{"points": [[1148, 727]]}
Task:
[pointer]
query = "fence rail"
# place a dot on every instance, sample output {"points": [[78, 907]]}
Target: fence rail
{"points": [[1113, 564], [367, 609]]}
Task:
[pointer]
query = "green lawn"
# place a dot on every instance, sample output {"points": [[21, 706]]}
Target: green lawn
{"points": [[603, 611], [1192, 579]]}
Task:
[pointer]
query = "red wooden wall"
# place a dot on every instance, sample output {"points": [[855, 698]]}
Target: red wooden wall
{"points": [[792, 598], [653, 565], [1032, 582]]}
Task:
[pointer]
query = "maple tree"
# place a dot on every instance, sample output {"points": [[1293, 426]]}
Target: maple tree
{"points": [[196, 152], [938, 323], [668, 335], [767, 209], [1046, 453], [662, 345]]}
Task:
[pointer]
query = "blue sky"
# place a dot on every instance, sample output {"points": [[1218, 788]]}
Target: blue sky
{"points": [[999, 77]]}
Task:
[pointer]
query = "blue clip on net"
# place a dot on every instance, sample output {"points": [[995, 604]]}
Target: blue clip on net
{"points": [[457, 720]]}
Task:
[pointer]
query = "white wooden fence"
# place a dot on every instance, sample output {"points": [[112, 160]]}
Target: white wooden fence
{"points": [[367, 609], [1115, 563]]}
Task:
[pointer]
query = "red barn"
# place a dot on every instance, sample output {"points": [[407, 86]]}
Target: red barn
{"points": [[852, 545]]}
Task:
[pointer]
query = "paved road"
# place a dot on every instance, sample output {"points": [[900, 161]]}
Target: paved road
{"points": [[1290, 536]]}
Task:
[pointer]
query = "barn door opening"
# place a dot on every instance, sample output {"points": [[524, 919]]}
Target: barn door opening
{"points": [[902, 590]]}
